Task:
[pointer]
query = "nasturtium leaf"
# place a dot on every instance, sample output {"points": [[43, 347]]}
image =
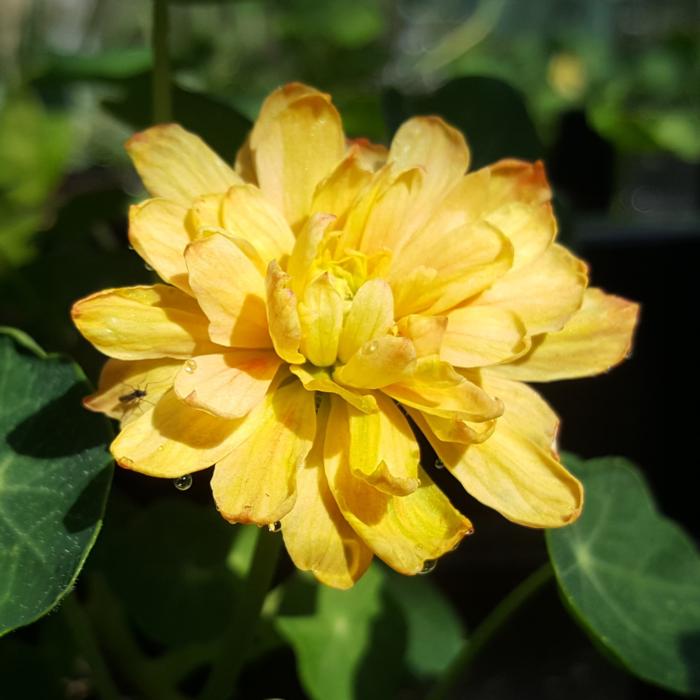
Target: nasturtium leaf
{"points": [[368, 642], [55, 472], [631, 576]]}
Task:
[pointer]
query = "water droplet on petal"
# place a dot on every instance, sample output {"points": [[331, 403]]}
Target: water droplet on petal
{"points": [[130, 247], [275, 527], [126, 462], [428, 566], [371, 347], [190, 366], [439, 464], [182, 483], [148, 267]]}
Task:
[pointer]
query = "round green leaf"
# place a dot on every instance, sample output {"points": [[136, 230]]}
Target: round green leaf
{"points": [[54, 477], [631, 576]]}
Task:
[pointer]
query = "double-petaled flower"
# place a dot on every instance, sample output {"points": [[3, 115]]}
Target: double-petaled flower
{"points": [[326, 298]]}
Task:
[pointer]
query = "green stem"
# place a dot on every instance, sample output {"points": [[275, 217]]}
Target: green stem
{"points": [[484, 633], [162, 96], [236, 641], [81, 628]]}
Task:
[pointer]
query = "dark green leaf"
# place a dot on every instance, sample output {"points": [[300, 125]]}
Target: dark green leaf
{"points": [[632, 576], [219, 124], [54, 478], [168, 565], [490, 113]]}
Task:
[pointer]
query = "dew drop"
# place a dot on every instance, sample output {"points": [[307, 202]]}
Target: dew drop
{"points": [[439, 464], [190, 366], [275, 527], [126, 462], [428, 566], [130, 247], [182, 483], [371, 347], [148, 267]]}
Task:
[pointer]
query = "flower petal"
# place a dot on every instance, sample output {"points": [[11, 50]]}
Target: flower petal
{"points": [[378, 363], [317, 536], [517, 180], [255, 481], [525, 410], [157, 233], [282, 315], [127, 389], [177, 165], [478, 336], [247, 214], [296, 142], [321, 318], [371, 315], [436, 388], [173, 439], [437, 148], [456, 429], [319, 379], [142, 323], [544, 294], [513, 475], [383, 449], [425, 332], [229, 384], [336, 193], [231, 291], [597, 337], [454, 266], [406, 532], [300, 266]]}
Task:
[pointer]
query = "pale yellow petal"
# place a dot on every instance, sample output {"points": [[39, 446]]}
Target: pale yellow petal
{"points": [[205, 213], [407, 532], [544, 294], [319, 379], [158, 234], [127, 389], [321, 318], [371, 315], [336, 193], [437, 148], [282, 314], [383, 449], [371, 156], [247, 214], [231, 291], [478, 336], [244, 165], [178, 165], [436, 388], [306, 249], [316, 535], [525, 410], [229, 384], [455, 266], [378, 363], [142, 323], [296, 142], [255, 481], [455, 429], [517, 180], [597, 337], [425, 332], [513, 475], [173, 439]]}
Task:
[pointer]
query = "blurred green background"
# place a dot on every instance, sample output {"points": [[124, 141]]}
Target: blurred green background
{"points": [[606, 91]]}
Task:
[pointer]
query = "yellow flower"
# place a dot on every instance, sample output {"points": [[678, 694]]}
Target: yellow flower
{"points": [[322, 297]]}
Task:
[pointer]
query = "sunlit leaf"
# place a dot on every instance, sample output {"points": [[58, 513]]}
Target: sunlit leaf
{"points": [[55, 473], [387, 632], [631, 576]]}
